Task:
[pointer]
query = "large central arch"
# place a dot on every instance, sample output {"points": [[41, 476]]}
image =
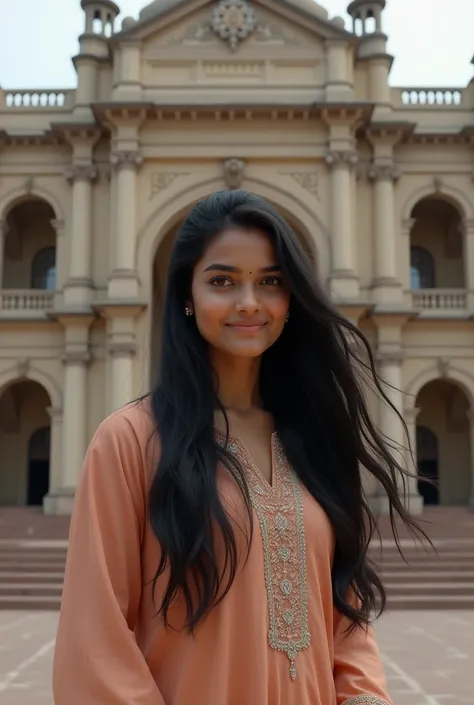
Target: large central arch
{"points": [[175, 203]]}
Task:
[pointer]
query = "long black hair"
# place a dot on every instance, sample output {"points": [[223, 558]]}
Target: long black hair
{"points": [[319, 410]]}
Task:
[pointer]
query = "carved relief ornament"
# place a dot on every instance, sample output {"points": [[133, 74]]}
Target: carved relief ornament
{"points": [[81, 172], [160, 181], [130, 159], [309, 181], [234, 21], [342, 158], [384, 172], [234, 172]]}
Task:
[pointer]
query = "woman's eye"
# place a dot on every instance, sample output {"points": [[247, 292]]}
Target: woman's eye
{"points": [[272, 281], [221, 281]]}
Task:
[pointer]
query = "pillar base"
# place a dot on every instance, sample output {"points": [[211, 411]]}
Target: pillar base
{"points": [[59, 502], [123, 284], [414, 504], [387, 290], [344, 284], [78, 292]]}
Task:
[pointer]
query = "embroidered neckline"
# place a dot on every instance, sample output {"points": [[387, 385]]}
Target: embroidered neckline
{"points": [[365, 700], [279, 508]]}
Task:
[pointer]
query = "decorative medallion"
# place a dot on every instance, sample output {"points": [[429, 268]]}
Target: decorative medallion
{"points": [[234, 21]]}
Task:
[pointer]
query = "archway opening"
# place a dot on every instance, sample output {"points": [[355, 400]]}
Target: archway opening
{"points": [[25, 440], [436, 246], [160, 269], [29, 260], [38, 466], [428, 465], [443, 444]]}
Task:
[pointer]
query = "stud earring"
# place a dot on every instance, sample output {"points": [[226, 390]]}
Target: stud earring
{"points": [[287, 317], [188, 311]]}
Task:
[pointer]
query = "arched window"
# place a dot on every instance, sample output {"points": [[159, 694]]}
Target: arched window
{"points": [[422, 269], [43, 269]]}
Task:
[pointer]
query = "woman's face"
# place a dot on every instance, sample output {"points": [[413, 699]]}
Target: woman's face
{"points": [[239, 297]]}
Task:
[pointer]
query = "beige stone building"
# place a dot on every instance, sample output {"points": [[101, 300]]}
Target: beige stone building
{"points": [[272, 96]]}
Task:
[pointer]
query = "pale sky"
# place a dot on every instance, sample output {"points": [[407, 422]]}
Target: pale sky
{"points": [[432, 40]]}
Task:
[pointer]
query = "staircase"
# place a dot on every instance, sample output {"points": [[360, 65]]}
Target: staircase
{"points": [[33, 554], [31, 574], [426, 577], [428, 580]]}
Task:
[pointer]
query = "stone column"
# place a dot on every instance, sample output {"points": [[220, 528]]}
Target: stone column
{"points": [[79, 284], [124, 278], [391, 426], [415, 500], [128, 84], [344, 280], [56, 458], [338, 86], [121, 347], [75, 418], [121, 372], [470, 416], [468, 231], [387, 287], [61, 264], [3, 236]]}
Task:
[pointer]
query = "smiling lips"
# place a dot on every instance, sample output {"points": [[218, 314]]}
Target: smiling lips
{"points": [[247, 326]]}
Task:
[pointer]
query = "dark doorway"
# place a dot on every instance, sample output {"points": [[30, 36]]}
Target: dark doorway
{"points": [[38, 466], [428, 465]]}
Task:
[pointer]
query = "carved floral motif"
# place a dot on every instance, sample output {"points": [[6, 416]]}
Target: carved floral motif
{"points": [[234, 21], [159, 182], [309, 180]]}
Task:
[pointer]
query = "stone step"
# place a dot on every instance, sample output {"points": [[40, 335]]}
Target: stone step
{"points": [[29, 552], [30, 602], [422, 555], [425, 565], [404, 576], [430, 602], [28, 577], [31, 588], [430, 589], [38, 567]]}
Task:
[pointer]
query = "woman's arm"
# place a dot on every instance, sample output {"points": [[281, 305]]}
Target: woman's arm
{"points": [[358, 671], [97, 660]]}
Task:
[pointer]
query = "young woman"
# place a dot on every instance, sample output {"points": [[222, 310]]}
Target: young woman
{"points": [[218, 546]]}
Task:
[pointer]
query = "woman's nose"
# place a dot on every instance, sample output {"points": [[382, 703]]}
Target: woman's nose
{"points": [[248, 300]]}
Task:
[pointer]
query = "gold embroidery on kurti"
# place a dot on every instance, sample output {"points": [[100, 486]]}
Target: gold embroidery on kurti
{"points": [[279, 508], [365, 700]]}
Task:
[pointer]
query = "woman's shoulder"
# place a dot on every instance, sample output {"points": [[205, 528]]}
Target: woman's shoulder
{"points": [[124, 446], [128, 433], [131, 423]]}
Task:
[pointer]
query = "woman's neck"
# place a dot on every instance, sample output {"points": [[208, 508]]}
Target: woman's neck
{"points": [[238, 382]]}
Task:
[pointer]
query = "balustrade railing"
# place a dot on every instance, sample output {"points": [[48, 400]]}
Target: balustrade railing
{"points": [[26, 300], [428, 97], [36, 99], [440, 299]]}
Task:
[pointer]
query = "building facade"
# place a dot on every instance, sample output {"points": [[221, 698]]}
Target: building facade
{"points": [[271, 96]]}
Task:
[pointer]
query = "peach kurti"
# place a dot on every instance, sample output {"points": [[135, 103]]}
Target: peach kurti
{"points": [[275, 639]]}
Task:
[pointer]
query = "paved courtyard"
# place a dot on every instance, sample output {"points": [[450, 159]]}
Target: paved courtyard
{"points": [[429, 657]]}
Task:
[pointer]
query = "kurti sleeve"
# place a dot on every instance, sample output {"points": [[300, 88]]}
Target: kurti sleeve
{"points": [[97, 660], [358, 670]]}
